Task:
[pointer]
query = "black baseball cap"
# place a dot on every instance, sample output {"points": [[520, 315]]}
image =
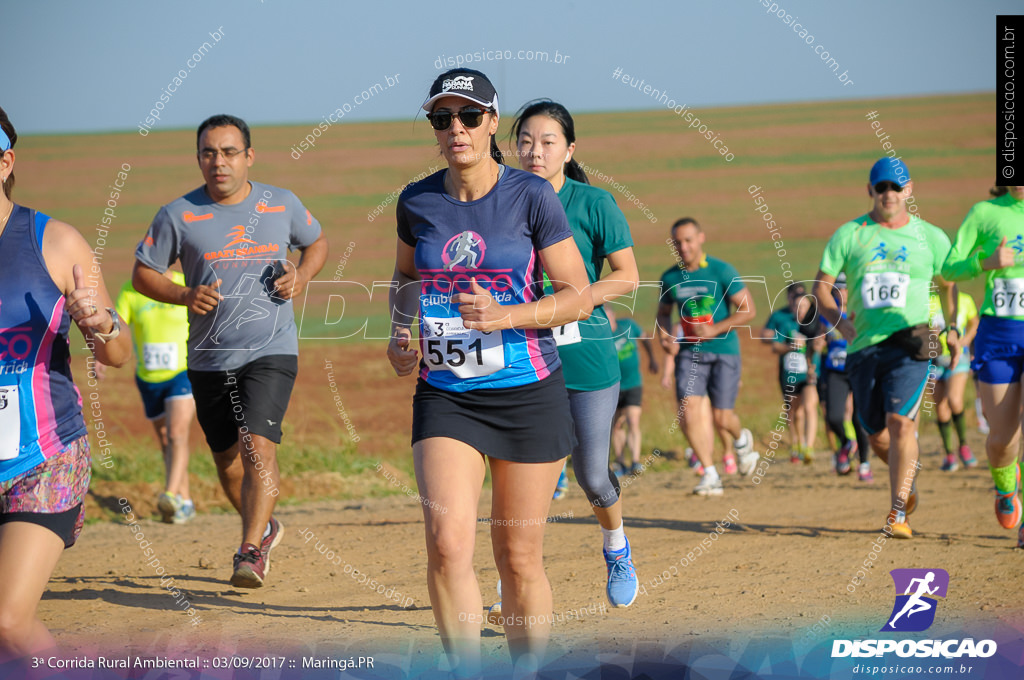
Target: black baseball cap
{"points": [[465, 83]]}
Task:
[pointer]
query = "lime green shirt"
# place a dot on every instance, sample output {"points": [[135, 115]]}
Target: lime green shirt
{"points": [[983, 229], [965, 311], [599, 229], [159, 331], [888, 272]]}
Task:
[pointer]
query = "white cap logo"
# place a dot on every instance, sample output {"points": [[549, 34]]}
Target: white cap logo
{"points": [[458, 83]]}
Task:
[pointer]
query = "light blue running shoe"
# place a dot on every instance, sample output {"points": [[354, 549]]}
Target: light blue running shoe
{"points": [[562, 487], [185, 512], [623, 585]]}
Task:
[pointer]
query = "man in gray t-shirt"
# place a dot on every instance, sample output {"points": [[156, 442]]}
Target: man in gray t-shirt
{"points": [[231, 236]]}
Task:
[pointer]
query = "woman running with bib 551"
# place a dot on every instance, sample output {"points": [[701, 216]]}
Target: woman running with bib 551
{"points": [[490, 389]]}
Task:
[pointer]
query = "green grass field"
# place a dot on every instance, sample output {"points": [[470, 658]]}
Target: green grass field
{"points": [[809, 160]]}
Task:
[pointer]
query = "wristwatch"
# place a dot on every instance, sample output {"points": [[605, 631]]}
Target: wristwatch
{"points": [[114, 331]]}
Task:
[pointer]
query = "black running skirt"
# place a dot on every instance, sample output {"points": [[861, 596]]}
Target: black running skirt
{"points": [[525, 424]]}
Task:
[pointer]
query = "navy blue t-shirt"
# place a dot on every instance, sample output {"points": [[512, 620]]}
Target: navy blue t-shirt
{"points": [[495, 239]]}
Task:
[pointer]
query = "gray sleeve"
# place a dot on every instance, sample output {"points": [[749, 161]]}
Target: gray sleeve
{"points": [[159, 248], [304, 227]]}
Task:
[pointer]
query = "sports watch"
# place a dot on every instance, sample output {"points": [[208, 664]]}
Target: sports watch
{"points": [[114, 331]]}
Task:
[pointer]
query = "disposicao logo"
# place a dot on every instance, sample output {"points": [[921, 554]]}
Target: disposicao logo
{"points": [[914, 611]]}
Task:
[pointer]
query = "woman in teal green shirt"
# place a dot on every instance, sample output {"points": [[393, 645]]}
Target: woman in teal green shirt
{"points": [[546, 139]]}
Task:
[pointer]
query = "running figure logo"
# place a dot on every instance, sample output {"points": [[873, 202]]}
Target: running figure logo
{"points": [[250, 300], [1017, 244], [463, 247], [914, 610], [880, 252]]}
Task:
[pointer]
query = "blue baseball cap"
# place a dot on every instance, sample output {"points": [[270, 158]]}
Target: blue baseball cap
{"points": [[890, 169]]}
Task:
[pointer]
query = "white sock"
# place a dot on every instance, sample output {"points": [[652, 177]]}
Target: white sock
{"points": [[740, 444], [614, 539], [266, 532], [711, 473]]}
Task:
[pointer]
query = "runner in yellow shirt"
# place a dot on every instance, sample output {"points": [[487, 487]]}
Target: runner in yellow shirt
{"points": [[951, 381], [160, 333]]}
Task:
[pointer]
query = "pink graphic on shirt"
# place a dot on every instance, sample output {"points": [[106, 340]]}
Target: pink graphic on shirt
{"points": [[465, 251]]}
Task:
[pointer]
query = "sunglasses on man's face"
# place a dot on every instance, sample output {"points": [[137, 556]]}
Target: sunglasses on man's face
{"points": [[882, 187], [469, 117]]}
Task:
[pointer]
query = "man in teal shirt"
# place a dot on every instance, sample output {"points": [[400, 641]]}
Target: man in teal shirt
{"points": [[703, 289]]}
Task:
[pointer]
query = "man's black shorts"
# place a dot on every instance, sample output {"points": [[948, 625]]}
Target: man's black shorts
{"points": [[253, 396]]}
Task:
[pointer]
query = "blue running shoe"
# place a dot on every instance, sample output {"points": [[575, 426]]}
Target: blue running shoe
{"points": [[185, 512], [623, 585], [563, 485]]}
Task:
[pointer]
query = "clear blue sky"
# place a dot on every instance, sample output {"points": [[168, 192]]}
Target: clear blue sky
{"points": [[81, 66]]}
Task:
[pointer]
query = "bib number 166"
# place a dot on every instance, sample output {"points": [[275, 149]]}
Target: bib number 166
{"points": [[884, 289]]}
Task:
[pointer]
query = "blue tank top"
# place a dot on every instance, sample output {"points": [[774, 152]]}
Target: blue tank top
{"points": [[40, 407]]}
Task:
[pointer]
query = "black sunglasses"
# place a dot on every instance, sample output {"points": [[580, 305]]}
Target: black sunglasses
{"points": [[882, 187], [469, 117]]}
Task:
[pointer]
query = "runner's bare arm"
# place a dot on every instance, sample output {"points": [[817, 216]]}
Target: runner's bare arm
{"points": [[664, 323], [77, 273], [403, 306], [950, 299], [293, 282], [652, 363], [970, 330], [827, 307], [155, 285], [621, 280]]}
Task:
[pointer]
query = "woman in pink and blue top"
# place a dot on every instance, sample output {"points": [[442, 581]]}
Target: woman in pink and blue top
{"points": [[44, 445], [474, 242]]}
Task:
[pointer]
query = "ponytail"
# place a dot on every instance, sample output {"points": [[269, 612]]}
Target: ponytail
{"points": [[574, 171], [496, 152]]}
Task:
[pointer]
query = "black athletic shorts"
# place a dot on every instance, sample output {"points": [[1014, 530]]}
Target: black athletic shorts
{"points": [[631, 397], [254, 396], [525, 424]]}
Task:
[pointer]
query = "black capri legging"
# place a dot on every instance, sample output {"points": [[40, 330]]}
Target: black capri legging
{"points": [[835, 389]]}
